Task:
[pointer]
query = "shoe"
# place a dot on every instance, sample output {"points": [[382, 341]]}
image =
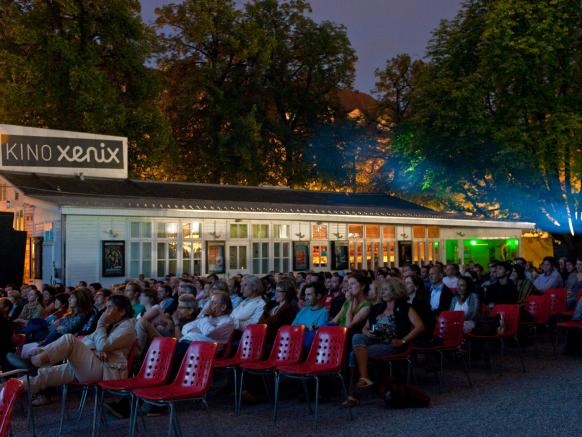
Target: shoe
{"points": [[18, 362], [40, 400], [117, 409]]}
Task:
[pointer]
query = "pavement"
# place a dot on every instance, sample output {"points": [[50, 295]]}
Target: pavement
{"points": [[544, 401]]}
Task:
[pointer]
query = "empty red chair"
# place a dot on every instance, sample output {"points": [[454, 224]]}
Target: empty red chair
{"points": [[450, 328], [510, 324], [250, 349], [326, 357], [287, 349], [570, 313], [154, 371], [558, 300], [192, 383], [540, 309], [8, 395]]}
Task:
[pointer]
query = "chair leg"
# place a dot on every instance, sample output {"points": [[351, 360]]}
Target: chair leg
{"points": [[101, 418], [95, 412], [316, 400], [205, 404], [132, 415], [177, 428], [267, 389], [133, 420], [345, 393], [171, 426], [235, 390], [306, 393], [81, 408], [64, 392], [240, 390], [276, 400], [502, 352], [441, 370], [520, 351], [30, 420]]}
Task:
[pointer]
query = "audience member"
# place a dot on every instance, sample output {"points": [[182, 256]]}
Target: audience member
{"points": [[550, 277]]}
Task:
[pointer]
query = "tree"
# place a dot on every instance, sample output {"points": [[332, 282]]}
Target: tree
{"points": [[80, 65], [248, 88], [495, 126]]}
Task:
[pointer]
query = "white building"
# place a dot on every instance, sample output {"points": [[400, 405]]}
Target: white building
{"points": [[89, 222]]}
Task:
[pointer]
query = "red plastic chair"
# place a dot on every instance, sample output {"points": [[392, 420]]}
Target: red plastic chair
{"points": [[510, 318], [287, 349], [540, 309], [154, 371], [192, 383], [558, 300], [326, 357], [8, 395], [570, 313], [450, 328], [250, 349]]}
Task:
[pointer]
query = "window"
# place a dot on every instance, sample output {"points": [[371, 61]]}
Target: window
{"points": [[3, 193], [140, 255], [419, 232], [282, 257], [372, 231], [319, 232], [260, 257], [281, 232], [260, 231], [238, 231], [355, 255], [167, 258], [433, 231], [319, 255], [167, 230], [355, 231], [192, 257], [388, 253], [140, 230], [372, 254], [191, 231], [388, 231], [237, 258]]}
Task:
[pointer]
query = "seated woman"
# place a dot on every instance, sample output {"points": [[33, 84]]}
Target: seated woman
{"points": [[33, 309], [356, 308], [15, 297], [284, 312], [389, 329], [466, 300], [99, 356], [48, 300], [37, 329]]}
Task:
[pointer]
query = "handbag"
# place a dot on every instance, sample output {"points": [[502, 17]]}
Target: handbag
{"points": [[406, 396], [487, 325]]}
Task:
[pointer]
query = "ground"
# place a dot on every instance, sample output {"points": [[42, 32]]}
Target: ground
{"points": [[544, 401]]}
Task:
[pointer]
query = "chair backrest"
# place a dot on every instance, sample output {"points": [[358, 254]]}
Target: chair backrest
{"points": [[510, 314], [226, 351], [328, 348], [195, 372], [558, 300], [131, 357], [288, 345], [18, 340], [252, 343], [157, 362], [539, 308], [449, 327], [8, 394]]}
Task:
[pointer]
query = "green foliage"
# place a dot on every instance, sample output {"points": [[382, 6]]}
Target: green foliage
{"points": [[247, 88], [495, 125], [80, 65]]}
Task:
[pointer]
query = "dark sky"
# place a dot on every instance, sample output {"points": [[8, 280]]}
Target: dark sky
{"points": [[378, 29]]}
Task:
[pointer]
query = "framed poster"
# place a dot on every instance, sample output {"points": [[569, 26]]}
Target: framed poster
{"points": [[300, 255], [215, 258], [340, 256], [112, 258]]}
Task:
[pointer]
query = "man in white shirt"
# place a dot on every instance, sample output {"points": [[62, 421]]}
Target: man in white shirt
{"points": [[252, 307], [215, 324], [451, 279], [550, 278]]}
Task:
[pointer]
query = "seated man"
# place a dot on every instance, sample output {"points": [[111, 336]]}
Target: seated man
{"points": [[251, 309], [100, 356], [215, 324], [313, 315]]}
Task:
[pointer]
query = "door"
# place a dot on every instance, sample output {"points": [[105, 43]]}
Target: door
{"points": [[238, 261]]}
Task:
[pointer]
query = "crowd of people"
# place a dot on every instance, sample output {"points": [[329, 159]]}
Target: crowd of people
{"points": [[85, 333]]}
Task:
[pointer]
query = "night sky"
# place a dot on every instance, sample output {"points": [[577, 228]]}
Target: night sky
{"points": [[378, 29]]}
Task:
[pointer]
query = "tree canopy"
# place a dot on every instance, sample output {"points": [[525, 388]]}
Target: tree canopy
{"points": [[494, 125]]}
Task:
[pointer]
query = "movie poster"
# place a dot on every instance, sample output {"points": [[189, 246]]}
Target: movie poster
{"points": [[113, 259], [215, 258], [340, 256], [300, 256]]}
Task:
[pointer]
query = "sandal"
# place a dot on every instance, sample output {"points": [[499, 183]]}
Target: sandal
{"points": [[364, 383], [350, 402]]}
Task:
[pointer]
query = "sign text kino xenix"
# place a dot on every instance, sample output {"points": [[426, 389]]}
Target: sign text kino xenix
{"points": [[31, 151]]}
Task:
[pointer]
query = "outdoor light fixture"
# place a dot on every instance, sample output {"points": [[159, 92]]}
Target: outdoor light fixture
{"points": [[461, 234], [338, 235], [300, 235]]}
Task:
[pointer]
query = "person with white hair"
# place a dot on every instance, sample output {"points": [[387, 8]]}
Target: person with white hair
{"points": [[251, 309]]}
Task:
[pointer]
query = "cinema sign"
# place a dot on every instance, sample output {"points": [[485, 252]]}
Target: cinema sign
{"points": [[34, 150]]}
